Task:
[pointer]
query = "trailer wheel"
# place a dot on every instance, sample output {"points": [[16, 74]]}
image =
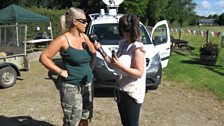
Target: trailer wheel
{"points": [[8, 77]]}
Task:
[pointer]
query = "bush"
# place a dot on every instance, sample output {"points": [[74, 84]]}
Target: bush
{"points": [[210, 49], [54, 16]]}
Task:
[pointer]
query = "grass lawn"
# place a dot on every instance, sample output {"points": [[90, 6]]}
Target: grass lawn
{"points": [[187, 70]]}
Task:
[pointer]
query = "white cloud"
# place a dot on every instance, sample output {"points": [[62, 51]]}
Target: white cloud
{"points": [[212, 12], [220, 3], [206, 8], [205, 4]]}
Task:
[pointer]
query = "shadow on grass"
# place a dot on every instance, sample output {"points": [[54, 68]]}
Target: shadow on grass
{"points": [[211, 68], [21, 121], [215, 70], [178, 52], [192, 61], [197, 61]]}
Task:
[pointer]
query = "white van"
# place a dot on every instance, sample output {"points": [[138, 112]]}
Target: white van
{"points": [[156, 44]]}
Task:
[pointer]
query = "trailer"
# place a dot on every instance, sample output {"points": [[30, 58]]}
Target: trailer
{"points": [[13, 57], [13, 43]]}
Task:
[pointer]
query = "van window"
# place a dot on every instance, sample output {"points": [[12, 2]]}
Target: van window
{"points": [[160, 35], [144, 38], [108, 34]]}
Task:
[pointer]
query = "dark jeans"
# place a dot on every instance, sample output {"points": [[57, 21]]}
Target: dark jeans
{"points": [[129, 109]]}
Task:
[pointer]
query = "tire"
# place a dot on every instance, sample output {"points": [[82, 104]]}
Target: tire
{"points": [[8, 77], [154, 87]]}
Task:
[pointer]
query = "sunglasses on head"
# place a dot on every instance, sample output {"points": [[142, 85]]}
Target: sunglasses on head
{"points": [[83, 21]]}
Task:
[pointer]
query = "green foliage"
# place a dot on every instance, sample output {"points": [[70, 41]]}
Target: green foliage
{"points": [[194, 20], [155, 11], [187, 70], [5, 3], [92, 6], [210, 49], [135, 6], [181, 11], [221, 19], [55, 21]]}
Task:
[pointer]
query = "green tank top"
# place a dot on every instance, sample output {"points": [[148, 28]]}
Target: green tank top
{"points": [[77, 63]]}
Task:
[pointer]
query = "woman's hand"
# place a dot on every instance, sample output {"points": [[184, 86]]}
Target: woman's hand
{"points": [[97, 45], [116, 62], [63, 73]]}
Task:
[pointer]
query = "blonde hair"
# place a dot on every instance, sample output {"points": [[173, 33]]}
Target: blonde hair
{"points": [[67, 19]]}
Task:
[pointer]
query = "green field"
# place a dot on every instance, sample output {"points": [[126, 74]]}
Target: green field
{"points": [[186, 70]]}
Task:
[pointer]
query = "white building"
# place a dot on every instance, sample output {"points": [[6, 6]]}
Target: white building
{"points": [[206, 21]]}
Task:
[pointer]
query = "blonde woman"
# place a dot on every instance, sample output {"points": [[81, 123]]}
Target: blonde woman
{"points": [[78, 56]]}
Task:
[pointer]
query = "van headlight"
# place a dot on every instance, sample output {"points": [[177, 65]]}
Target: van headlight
{"points": [[155, 61]]}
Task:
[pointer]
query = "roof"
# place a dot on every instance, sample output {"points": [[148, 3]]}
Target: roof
{"points": [[206, 20], [97, 18], [14, 13]]}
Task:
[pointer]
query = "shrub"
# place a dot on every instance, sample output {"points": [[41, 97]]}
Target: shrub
{"points": [[210, 49]]}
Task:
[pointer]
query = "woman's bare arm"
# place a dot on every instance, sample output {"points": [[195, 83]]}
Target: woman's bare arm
{"points": [[46, 56]]}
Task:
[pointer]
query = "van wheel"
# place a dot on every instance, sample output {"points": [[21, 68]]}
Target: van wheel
{"points": [[8, 77], [154, 87]]}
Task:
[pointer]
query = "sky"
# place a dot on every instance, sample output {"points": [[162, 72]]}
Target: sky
{"points": [[209, 7]]}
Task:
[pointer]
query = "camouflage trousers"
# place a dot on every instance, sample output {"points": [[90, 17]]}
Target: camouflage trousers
{"points": [[76, 103]]}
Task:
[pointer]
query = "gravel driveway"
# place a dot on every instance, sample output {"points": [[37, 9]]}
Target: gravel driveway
{"points": [[34, 101]]}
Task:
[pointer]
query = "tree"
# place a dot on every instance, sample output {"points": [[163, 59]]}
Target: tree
{"points": [[172, 11], [181, 11], [221, 19], [135, 7], [215, 16], [194, 20], [155, 11], [186, 11], [149, 11], [5, 3], [91, 6]]}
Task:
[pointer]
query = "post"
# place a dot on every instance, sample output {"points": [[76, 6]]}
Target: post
{"points": [[51, 32], [207, 36], [222, 41], [0, 36], [17, 35], [179, 31], [25, 53]]}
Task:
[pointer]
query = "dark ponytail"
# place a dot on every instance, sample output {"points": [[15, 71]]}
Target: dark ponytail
{"points": [[135, 29]]}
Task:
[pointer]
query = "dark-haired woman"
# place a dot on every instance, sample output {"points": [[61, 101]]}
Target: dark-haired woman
{"points": [[129, 65]]}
